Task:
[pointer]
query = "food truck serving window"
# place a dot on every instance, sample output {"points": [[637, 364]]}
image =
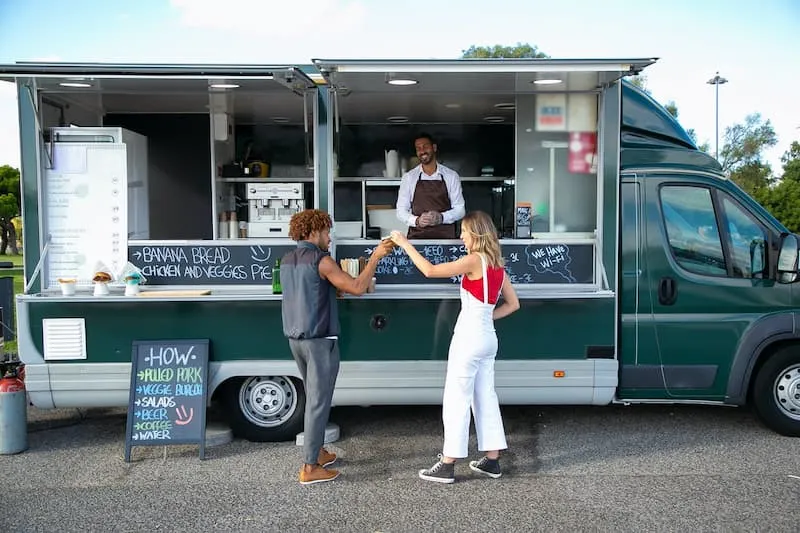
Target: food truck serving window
{"points": [[524, 136], [160, 153]]}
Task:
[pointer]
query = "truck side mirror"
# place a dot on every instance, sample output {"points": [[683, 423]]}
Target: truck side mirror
{"points": [[788, 259]]}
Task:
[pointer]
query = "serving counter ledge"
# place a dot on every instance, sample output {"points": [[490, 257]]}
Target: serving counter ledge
{"points": [[382, 292]]}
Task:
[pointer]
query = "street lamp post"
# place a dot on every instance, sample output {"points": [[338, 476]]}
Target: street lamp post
{"points": [[717, 81]]}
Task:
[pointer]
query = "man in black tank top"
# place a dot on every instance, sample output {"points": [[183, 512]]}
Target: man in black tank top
{"points": [[309, 279]]}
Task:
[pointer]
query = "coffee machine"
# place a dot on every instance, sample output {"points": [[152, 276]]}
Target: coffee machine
{"points": [[271, 206]]}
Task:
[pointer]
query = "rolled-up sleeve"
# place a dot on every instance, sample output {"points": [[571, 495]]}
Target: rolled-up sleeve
{"points": [[457, 208], [404, 214]]}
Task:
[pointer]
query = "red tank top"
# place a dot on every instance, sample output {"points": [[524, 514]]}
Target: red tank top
{"points": [[475, 286]]}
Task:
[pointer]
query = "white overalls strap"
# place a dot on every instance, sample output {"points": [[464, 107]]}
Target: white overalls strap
{"points": [[485, 281]]}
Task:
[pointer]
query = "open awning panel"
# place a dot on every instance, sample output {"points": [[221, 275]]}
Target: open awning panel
{"points": [[254, 91], [290, 77], [478, 75], [460, 91]]}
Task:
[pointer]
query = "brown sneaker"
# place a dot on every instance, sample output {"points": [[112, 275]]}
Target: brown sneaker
{"points": [[316, 474], [325, 458]]}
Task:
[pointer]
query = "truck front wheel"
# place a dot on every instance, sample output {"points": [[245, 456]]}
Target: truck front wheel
{"points": [[265, 408], [776, 392]]}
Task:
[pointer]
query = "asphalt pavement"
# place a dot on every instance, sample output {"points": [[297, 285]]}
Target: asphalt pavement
{"points": [[616, 468]]}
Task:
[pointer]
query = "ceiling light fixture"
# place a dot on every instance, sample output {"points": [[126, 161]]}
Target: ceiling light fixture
{"points": [[402, 81], [506, 105], [397, 119], [280, 120], [224, 86], [547, 81], [452, 106], [75, 84], [494, 119]]}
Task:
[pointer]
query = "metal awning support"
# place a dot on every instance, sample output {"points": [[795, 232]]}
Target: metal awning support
{"points": [[38, 268], [47, 152]]}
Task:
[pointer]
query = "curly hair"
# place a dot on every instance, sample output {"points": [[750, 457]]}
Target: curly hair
{"points": [[308, 221]]}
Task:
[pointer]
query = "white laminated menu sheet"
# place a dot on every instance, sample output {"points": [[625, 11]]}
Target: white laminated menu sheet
{"points": [[85, 211]]}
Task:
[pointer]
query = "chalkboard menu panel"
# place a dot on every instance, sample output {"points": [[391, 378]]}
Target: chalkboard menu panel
{"points": [[525, 262], [207, 264], [169, 389]]}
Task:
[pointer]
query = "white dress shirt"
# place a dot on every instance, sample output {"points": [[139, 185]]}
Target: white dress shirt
{"points": [[409, 183]]}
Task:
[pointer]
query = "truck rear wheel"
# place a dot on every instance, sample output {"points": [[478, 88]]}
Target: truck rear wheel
{"points": [[265, 408], [776, 392]]}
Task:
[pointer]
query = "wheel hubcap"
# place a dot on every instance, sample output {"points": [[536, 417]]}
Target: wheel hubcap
{"points": [[268, 401], [787, 391]]}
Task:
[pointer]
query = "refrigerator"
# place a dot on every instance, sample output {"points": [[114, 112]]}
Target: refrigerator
{"points": [[94, 200]]}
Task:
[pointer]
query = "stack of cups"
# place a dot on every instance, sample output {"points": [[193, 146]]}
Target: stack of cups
{"points": [[354, 267]]}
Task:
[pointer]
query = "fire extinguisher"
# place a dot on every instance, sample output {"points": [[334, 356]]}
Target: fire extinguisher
{"points": [[13, 414]]}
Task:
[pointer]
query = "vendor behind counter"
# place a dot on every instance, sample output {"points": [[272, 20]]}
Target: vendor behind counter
{"points": [[430, 199]]}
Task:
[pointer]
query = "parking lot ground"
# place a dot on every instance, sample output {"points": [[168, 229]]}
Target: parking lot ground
{"points": [[616, 468]]}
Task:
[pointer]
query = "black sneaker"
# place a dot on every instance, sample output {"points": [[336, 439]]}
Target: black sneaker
{"points": [[487, 467], [440, 472]]}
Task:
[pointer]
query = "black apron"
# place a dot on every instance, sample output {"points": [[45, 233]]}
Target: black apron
{"points": [[431, 195]]}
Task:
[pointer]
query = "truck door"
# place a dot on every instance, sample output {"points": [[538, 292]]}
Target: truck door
{"points": [[640, 363], [707, 276]]}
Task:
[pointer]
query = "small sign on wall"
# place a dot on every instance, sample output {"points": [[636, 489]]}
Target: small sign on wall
{"points": [[551, 112], [582, 112], [582, 152]]}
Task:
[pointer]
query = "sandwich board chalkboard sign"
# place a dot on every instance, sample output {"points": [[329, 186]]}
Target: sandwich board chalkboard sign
{"points": [[169, 389]]}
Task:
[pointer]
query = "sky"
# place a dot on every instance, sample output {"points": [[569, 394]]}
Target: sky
{"points": [[755, 45]]}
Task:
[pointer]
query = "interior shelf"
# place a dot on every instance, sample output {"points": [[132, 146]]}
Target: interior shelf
{"points": [[390, 181], [266, 180]]}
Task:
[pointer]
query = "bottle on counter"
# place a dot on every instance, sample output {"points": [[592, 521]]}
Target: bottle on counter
{"points": [[223, 225], [276, 278], [233, 226]]}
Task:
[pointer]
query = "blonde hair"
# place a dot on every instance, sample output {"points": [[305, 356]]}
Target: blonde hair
{"points": [[480, 226]]}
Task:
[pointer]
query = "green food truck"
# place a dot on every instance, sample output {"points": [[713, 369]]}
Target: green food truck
{"points": [[156, 201]]}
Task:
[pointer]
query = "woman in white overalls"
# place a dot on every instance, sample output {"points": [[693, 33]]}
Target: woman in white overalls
{"points": [[470, 362]]}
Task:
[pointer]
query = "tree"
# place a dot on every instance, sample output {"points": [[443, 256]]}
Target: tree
{"points": [[791, 164], [744, 143], [520, 51], [783, 200], [640, 81], [752, 177], [9, 208], [704, 146]]}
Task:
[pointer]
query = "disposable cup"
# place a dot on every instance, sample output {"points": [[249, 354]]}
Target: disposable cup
{"points": [[101, 289], [67, 288]]}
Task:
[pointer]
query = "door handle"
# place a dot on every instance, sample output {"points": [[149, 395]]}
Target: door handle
{"points": [[667, 293]]}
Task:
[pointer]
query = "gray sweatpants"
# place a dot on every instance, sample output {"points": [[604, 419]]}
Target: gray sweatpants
{"points": [[318, 361]]}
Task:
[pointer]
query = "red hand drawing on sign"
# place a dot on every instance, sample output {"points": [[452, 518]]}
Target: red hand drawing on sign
{"points": [[183, 417]]}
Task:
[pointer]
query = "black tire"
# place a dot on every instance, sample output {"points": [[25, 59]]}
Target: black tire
{"points": [[776, 392], [251, 418]]}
